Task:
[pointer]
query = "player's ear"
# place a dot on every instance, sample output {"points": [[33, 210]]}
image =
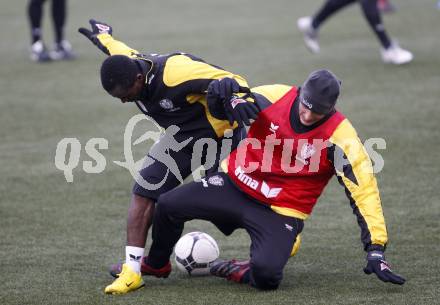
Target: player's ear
{"points": [[139, 76]]}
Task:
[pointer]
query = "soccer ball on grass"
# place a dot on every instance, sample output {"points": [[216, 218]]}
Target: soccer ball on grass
{"points": [[194, 253]]}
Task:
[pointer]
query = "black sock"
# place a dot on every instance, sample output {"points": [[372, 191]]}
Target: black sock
{"points": [[35, 13], [329, 8], [372, 14], [59, 18]]}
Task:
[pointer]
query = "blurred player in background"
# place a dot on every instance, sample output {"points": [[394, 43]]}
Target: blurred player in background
{"points": [[270, 195], [172, 90], [62, 49], [390, 52]]}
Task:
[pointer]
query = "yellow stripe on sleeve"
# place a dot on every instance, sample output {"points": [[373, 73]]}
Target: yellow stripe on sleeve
{"points": [[181, 68], [116, 47]]}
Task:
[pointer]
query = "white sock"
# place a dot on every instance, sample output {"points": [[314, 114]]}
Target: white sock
{"points": [[133, 257]]}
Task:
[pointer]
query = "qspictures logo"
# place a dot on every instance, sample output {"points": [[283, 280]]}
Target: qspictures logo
{"points": [[68, 153], [69, 150]]}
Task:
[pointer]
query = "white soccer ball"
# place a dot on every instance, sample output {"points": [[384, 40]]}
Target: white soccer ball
{"points": [[194, 253]]}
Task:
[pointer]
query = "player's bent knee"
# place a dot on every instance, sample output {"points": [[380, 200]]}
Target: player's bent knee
{"points": [[162, 206], [265, 277]]}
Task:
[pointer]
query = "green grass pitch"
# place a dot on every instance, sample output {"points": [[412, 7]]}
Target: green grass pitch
{"points": [[57, 238]]}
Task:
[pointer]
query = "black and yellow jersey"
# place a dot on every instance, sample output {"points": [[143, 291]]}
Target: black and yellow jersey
{"points": [[175, 90]]}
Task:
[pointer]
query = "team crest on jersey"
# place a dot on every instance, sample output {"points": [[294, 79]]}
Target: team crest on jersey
{"points": [[307, 151], [166, 104], [216, 180]]}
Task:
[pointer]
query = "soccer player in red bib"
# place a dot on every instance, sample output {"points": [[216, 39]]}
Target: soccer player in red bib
{"points": [[274, 180]]}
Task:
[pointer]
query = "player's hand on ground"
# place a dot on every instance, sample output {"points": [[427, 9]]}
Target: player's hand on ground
{"points": [[98, 28], [377, 264]]}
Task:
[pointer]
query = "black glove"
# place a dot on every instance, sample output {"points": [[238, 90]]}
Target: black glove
{"points": [[97, 28], [235, 109], [376, 263], [223, 89], [240, 110]]}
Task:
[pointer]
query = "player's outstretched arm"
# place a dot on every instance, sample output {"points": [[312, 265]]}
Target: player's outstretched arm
{"points": [[354, 169], [101, 36]]}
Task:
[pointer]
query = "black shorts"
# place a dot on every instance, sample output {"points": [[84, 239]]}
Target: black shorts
{"points": [[160, 177], [216, 199]]}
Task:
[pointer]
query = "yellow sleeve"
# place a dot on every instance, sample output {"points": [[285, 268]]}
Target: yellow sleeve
{"points": [[116, 47], [180, 69], [355, 172], [191, 76], [272, 92]]}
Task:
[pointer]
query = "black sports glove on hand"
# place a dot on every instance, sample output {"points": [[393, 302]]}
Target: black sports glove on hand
{"points": [[377, 264], [97, 28], [240, 110], [235, 109]]}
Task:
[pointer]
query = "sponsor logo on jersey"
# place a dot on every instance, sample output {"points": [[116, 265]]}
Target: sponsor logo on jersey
{"points": [[270, 192], [216, 180], [273, 128], [307, 151], [252, 183]]}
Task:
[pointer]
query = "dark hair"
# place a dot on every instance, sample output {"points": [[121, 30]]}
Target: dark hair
{"points": [[118, 71]]}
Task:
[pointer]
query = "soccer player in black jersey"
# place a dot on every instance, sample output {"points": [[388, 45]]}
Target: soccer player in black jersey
{"points": [[172, 90]]}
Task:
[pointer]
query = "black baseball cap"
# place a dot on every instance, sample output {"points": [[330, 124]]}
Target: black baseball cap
{"points": [[320, 91]]}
